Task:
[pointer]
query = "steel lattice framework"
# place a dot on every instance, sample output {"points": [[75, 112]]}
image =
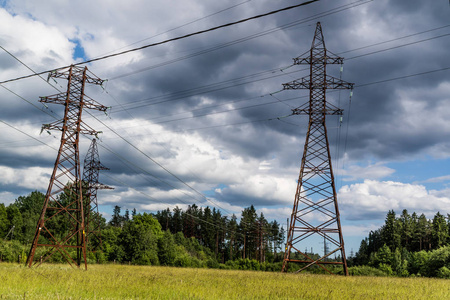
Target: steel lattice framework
{"points": [[315, 212], [91, 185], [63, 205]]}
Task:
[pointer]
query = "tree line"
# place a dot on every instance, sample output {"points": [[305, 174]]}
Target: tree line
{"points": [[196, 237], [407, 245]]}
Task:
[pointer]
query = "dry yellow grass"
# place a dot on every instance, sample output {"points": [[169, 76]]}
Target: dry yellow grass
{"points": [[147, 282]]}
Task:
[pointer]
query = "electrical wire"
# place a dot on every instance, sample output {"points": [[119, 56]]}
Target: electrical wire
{"points": [[247, 38], [423, 73], [199, 91], [168, 40], [181, 26], [28, 135], [116, 154]]}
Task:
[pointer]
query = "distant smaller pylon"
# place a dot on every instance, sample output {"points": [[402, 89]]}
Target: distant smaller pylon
{"points": [[91, 185]]}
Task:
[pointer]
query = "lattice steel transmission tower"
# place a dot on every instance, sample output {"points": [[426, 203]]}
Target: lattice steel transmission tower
{"points": [[91, 185], [315, 212], [61, 225]]}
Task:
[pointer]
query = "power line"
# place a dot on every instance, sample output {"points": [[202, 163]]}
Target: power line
{"points": [[247, 38], [169, 40], [282, 101], [116, 154], [216, 86], [376, 82], [30, 136], [399, 46], [402, 77], [154, 161], [393, 40], [183, 25]]}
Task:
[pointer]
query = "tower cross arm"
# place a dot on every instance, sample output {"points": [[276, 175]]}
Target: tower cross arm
{"points": [[62, 97], [329, 60], [76, 73], [328, 110], [59, 125], [92, 104], [330, 82]]}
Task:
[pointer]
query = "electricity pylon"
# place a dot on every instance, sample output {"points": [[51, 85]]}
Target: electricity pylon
{"points": [[315, 211], [61, 225], [91, 170]]}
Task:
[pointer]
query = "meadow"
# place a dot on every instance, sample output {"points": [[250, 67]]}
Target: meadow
{"points": [[148, 282]]}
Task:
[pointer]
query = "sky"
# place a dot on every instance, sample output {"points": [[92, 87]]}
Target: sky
{"points": [[204, 119]]}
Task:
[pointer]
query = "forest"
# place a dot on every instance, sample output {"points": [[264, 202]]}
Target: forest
{"points": [[406, 245], [197, 237]]}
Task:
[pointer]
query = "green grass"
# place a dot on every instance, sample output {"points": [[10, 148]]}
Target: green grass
{"points": [[147, 282]]}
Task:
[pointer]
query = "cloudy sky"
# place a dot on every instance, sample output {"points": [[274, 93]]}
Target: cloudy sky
{"points": [[203, 120]]}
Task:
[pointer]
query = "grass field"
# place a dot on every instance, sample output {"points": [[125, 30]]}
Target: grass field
{"points": [[147, 282]]}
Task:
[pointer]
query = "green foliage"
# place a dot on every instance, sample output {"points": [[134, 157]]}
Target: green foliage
{"points": [[139, 240], [15, 221], [4, 222], [166, 249], [436, 260], [385, 268], [365, 271], [443, 272], [418, 262], [409, 245], [201, 237], [439, 232], [10, 251], [400, 263], [382, 256]]}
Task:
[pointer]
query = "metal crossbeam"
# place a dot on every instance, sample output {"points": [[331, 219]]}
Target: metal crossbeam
{"points": [[91, 169], [63, 205], [315, 208]]}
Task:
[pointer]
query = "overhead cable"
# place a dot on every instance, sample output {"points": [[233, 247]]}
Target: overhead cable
{"points": [[169, 40]]}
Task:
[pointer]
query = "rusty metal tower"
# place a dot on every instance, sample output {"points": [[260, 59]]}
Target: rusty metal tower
{"points": [[61, 226], [315, 212], [91, 185]]}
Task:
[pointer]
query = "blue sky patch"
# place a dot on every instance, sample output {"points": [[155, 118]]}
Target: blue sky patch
{"points": [[79, 50]]}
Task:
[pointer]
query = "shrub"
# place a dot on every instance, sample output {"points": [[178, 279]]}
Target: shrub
{"points": [[183, 260], [365, 271], [212, 263], [418, 262], [437, 259], [387, 269], [443, 272]]}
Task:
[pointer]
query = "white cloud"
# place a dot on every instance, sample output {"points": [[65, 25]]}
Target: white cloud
{"points": [[360, 229], [373, 199], [444, 178], [34, 178], [40, 46], [7, 198], [203, 165], [371, 171]]}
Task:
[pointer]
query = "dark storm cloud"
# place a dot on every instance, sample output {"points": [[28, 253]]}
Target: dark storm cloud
{"points": [[6, 62], [212, 69], [376, 112]]}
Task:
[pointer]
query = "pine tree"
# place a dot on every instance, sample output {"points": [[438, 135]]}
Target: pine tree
{"points": [[391, 231], [423, 232], [248, 229], [232, 232], [4, 222], [439, 232], [116, 219], [177, 220], [405, 229]]}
